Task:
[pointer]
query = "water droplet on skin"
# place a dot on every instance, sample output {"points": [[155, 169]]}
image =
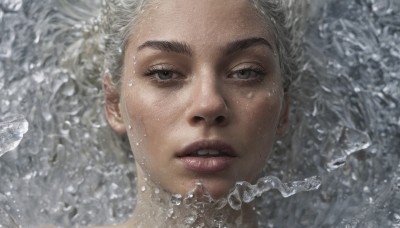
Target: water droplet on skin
{"points": [[130, 127], [190, 219], [143, 188], [170, 212], [130, 83], [176, 199], [156, 191], [250, 95]]}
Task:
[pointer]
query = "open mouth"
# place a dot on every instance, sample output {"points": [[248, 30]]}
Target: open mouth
{"points": [[208, 153], [207, 156], [207, 148]]}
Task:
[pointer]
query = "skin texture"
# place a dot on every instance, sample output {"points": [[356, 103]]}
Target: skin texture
{"points": [[206, 94]]}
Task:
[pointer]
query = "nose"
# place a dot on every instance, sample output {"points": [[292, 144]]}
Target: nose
{"points": [[208, 106]]}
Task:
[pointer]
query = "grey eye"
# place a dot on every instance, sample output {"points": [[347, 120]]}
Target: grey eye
{"points": [[245, 74], [165, 75]]}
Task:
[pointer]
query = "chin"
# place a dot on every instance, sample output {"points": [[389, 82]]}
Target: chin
{"points": [[216, 188]]}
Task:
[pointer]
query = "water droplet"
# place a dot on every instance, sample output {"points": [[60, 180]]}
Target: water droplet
{"points": [[130, 127], [170, 212], [143, 188], [352, 140], [176, 199], [234, 200], [130, 84], [189, 220], [156, 190], [336, 163], [38, 77]]}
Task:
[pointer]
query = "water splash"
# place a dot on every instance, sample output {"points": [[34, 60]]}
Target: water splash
{"points": [[351, 79], [12, 131], [246, 192], [348, 141]]}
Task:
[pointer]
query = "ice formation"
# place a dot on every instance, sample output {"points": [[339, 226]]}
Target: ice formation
{"points": [[345, 121]]}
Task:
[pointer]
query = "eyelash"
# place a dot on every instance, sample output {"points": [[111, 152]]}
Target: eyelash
{"points": [[260, 73], [154, 70]]}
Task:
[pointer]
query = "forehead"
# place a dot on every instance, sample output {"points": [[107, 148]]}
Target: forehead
{"points": [[200, 21]]}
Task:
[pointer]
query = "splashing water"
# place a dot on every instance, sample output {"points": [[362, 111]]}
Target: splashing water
{"points": [[245, 192], [345, 122], [348, 142], [11, 132]]}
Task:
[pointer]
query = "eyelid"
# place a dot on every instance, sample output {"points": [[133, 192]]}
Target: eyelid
{"points": [[160, 67], [248, 66]]}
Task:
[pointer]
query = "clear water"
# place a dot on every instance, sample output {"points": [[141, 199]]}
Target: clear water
{"points": [[69, 168]]}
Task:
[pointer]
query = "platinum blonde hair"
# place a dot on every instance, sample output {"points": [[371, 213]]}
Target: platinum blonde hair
{"points": [[119, 18]]}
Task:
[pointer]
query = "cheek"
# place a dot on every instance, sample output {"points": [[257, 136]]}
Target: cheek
{"points": [[261, 114], [150, 117]]}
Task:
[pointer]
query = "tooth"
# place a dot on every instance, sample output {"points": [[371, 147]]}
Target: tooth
{"points": [[202, 152], [213, 152]]}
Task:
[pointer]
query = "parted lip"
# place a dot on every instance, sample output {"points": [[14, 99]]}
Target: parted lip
{"points": [[221, 146]]}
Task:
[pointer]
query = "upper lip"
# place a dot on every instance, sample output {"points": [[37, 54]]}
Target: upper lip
{"points": [[221, 146]]}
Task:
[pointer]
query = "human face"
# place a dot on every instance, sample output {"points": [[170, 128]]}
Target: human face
{"points": [[199, 77]]}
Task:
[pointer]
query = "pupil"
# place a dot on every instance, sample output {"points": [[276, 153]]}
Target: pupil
{"points": [[165, 75], [244, 74]]}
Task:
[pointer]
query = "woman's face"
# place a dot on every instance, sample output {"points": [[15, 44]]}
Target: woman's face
{"points": [[201, 94]]}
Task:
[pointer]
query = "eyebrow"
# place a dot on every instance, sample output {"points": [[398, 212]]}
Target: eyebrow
{"points": [[238, 45], [183, 48], [168, 46]]}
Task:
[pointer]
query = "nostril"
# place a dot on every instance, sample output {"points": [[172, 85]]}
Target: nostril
{"points": [[216, 120], [197, 119], [220, 119]]}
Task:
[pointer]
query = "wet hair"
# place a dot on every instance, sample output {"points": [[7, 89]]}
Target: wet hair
{"points": [[120, 16]]}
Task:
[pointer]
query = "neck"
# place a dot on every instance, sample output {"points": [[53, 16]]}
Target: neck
{"points": [[158, 208]]}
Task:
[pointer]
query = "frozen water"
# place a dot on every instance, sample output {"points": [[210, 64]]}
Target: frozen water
{"points": [[11, 132], [345, 122]]}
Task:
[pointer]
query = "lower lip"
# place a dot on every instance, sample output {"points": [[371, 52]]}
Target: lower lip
{"points": [[206, 164]]}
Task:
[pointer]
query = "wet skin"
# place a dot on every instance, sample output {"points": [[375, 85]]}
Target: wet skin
{"points": [[200, 75]]}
